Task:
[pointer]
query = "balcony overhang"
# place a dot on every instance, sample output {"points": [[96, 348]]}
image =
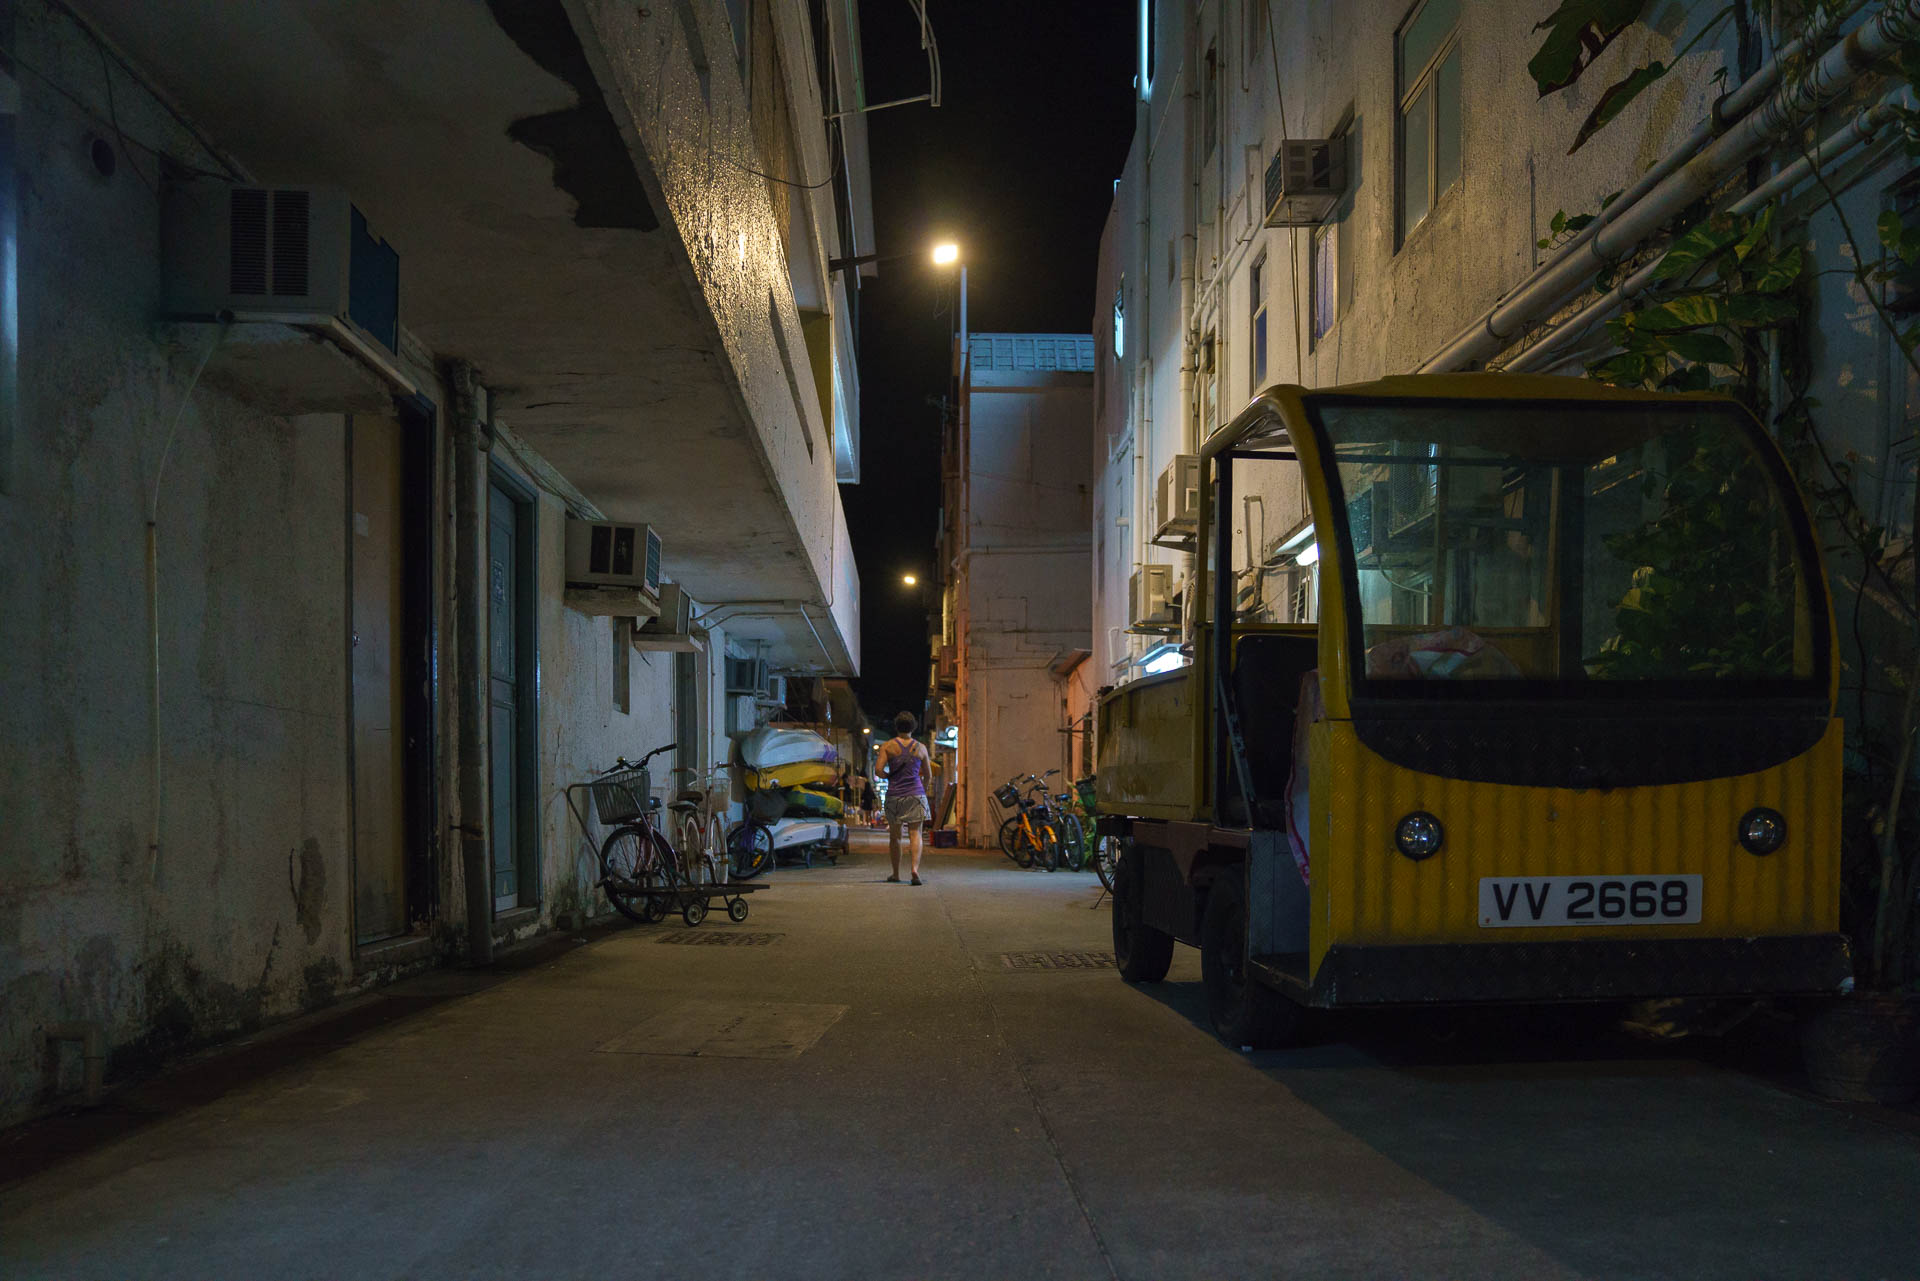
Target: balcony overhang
{"points": [[490, 144]]}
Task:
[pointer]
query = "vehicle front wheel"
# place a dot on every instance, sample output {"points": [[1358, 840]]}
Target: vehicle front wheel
{"points": [[1142, 953], [1245, 1013]]}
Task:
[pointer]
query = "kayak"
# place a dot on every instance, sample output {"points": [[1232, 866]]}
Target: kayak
{"points": [[798, 775], [805, 801], [767, 748]]}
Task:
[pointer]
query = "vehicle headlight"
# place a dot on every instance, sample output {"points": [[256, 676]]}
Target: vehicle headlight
{"points": [[1762, 831], [1419, 835]]}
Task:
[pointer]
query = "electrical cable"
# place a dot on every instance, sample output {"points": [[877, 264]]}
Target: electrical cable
{"points": [[91, 114]]}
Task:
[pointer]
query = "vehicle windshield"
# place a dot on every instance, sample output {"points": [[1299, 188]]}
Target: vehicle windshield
{"points": [[1565, 542]]}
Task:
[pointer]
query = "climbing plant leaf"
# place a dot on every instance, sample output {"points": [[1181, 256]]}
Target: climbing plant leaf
{"points": [[1578, 32], [1615, 100]]}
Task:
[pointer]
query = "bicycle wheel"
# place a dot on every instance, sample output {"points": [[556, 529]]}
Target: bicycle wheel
{"points": [[1048, 855], [1106, 853], [1009, 834], [1073, 843], [713, 849], [1023, 844], [629, 860], [750, 846]]}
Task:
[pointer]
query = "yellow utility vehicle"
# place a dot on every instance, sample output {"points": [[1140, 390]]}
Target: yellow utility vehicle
{"points": [[1495, 688]]}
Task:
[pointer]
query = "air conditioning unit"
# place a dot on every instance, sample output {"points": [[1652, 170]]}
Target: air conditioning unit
{"points": [[671, 629], [1150, 598], [747, 676], [1305, 180], [1176, 505], [300, 256], [613, 569]]}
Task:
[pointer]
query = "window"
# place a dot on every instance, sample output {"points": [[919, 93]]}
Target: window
{"points": [[1257, 331], [1210, 105], [1324, 272], [1428, 78], [1120, 320]]}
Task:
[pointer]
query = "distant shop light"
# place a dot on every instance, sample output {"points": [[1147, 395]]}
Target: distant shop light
{"points": [[948, 737], [1307, 555]]}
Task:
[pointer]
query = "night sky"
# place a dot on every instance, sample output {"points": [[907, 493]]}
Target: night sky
{"points": [[1017, 165]]}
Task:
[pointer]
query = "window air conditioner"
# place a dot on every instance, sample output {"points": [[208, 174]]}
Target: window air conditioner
{"points": [[1305, 180], [613, 569], [1176, 504], [301, 256], [747, 676], [1150, 598], [672, 628]]}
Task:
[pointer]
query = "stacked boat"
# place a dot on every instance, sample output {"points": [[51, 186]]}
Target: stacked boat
{"points": [[791, 775]]}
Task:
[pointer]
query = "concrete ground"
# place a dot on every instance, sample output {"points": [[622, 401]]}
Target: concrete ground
{"points": [[924, 1082]]}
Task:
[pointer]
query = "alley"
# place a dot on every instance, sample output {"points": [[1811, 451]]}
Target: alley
{"points": [[892, 1082]]}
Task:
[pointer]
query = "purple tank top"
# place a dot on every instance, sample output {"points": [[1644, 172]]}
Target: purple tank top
{"points": [[903, 772]]}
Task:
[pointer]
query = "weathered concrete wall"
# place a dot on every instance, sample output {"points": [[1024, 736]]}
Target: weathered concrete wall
{"points": [[242, 912]]}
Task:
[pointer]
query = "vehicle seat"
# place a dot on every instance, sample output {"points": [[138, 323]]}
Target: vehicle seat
{"points": [[1266, 688]]}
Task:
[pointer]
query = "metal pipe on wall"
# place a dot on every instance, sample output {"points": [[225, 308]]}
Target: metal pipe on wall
{"points": [[470, 650], [1894, 23], [1859, 130]]}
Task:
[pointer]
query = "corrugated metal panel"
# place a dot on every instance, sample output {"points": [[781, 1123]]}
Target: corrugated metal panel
{"points": [[1364, 891], [1033, 353]]}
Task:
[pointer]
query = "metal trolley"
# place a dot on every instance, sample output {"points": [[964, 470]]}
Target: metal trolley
{"points": [[641, 873]]}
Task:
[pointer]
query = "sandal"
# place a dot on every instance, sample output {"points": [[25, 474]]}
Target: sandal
{"points": [[916, 878], [893, 880]]}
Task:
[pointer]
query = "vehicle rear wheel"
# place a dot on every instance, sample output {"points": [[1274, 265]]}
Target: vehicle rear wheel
{"points": [[1142, 953], [1245, 1013]]}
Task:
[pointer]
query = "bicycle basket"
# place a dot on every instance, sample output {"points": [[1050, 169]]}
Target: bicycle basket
{"points": [[1007, 795], [621, 797], [767, 803]]}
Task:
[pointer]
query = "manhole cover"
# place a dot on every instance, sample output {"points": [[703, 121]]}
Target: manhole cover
{"points": [[719, 938], [1056, 960]]}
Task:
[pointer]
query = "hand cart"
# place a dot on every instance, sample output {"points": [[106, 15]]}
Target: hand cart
{"points": [[622, 799]]}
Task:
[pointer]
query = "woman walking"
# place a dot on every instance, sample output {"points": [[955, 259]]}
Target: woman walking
{"points": [[907, 768]]}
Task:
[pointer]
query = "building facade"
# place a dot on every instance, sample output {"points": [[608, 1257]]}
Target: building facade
{"points": [[1013, 557], [299, 663], [1440, 242]]}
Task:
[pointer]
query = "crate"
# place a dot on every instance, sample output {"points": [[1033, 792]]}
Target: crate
{"points": [[943, 838], [622, 797]]}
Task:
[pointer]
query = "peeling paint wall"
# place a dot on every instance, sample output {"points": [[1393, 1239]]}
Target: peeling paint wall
{"points": [[242, 912]]}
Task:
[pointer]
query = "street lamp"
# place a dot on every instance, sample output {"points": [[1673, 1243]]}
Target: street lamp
{"points": [[908, 579], [945, 255]]}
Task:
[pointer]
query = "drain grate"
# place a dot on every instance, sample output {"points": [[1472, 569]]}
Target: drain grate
{"points": [[1056, 960], [719, 938]]}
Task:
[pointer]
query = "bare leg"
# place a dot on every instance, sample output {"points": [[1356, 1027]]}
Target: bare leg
{"points": [[914, 838], [893, 848]]}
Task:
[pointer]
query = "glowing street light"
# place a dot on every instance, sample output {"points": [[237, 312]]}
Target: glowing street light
{"points": [[908, 579], [946, 254]]}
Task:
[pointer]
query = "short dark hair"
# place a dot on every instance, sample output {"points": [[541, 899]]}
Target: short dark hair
{"points": [[905, 723]]}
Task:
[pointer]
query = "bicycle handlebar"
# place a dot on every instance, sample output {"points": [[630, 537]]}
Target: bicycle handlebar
{"points": [[621, 762]]}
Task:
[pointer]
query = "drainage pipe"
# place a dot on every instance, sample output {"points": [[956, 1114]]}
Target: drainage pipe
{"points": [[470, 701], [1895, 23], [1859, 130]]}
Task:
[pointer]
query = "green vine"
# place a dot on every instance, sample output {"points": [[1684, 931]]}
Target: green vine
{"points": [[1724, 314]]}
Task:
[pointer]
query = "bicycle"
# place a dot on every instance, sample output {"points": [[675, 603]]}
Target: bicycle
{"points": [[637, 861], [1103, 852], [1030, 836], [699, 824], [749, 843]]}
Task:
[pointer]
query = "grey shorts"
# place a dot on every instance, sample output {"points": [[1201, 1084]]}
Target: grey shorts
{"points": [[902, 810]]}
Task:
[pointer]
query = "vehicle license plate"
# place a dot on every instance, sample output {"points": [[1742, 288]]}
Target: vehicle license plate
{"points": [[1589, 900]]}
